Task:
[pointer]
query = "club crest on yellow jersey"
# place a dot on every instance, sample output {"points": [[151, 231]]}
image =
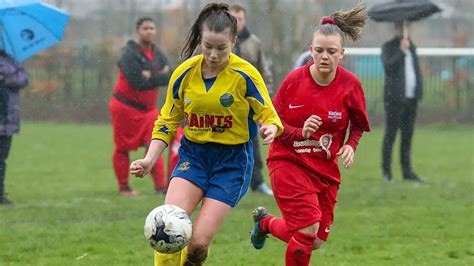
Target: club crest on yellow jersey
{"points": [[227, 99]]}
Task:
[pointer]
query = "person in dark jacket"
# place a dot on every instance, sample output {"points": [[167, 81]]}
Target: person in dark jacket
{"points": [[403, 89], [249, 48], [12, 78], [143, 67]]}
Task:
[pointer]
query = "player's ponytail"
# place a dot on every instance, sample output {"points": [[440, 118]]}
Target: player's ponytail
{"points": [[345, 23], [217, 19]]}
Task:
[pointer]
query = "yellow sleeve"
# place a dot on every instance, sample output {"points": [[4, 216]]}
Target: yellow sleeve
{"points": [[259, 100], [171, 115]]}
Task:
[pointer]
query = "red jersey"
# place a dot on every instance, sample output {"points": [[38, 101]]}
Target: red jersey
{"points": [[339, 104]]}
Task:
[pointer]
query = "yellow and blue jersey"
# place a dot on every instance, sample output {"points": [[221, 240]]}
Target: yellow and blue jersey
{"points": [[225, 110]]}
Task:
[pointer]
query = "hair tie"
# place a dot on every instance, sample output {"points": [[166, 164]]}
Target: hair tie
{"points": [[328, 20]]}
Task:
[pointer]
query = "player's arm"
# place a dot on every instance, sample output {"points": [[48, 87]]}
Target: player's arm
{"points": [[359, 122], [171, 114], [280, 104], [165, 128], [140, 168], [265, 113]]}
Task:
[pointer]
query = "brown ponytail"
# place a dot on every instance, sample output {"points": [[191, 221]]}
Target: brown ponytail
{"points": [[217, 19], [346, 23]]}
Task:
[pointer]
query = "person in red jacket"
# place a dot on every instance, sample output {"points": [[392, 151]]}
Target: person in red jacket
{"points": [[317, 103], [143, 67]]}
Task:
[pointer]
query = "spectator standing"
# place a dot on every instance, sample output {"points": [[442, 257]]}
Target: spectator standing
{"points": [[13, 77], [403, 89], [143, 67]]}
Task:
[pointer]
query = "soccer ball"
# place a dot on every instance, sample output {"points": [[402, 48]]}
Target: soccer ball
{"points": [[168, 229]]}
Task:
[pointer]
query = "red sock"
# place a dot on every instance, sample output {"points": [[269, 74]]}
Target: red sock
{"points": [[276, 227], [121, 164], [298, 251], [158, 174]]}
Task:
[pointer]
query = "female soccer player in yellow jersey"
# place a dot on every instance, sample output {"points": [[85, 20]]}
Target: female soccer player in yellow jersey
{"points": [[222, 98]]}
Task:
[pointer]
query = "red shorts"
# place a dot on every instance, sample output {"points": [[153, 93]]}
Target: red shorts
{"points": [[303, 197], [132, 128]]}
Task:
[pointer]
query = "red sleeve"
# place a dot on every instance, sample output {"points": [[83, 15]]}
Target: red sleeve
{"points": [[357, 110], [289, 132], [355, 134], [359, 120]]}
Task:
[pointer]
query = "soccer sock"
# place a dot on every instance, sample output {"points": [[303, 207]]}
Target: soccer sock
{"points": [[158, 173], [276, 227], [184, 255], [162, 259], [121, 164], [298, 251]]}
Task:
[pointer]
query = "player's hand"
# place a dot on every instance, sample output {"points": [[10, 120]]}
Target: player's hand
{"points": [[268, 133], [347, 154], [311, 125], [140, 168], [146, 74]]}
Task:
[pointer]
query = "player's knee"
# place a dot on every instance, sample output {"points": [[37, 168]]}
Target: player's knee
{"points": [[312, 229], [199, 241], [317, 243]]}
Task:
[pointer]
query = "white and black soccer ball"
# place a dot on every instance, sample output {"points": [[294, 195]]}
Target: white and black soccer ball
{"points": [[168, 229]]}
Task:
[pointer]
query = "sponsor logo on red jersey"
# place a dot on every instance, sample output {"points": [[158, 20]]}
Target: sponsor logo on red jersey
{"points": [[334, 115], [310, 145]]}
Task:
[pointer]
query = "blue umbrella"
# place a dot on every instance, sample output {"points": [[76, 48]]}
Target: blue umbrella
{"points": [[28, 27]]}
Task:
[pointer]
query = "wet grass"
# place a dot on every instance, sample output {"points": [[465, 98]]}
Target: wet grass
{"points": [[67, 210]]}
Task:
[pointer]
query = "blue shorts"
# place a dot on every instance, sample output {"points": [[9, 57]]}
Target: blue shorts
{"points": [[223, 172]]}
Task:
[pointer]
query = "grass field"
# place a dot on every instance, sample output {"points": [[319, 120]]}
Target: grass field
{"points": [[67, 210]]}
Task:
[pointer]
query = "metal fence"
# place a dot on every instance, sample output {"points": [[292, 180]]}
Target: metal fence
{"points": [[448, 83], [72, 85], [75, 85]]}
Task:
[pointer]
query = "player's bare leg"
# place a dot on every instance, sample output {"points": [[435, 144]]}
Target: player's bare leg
{"points": [[185, 195], [210, 218]]}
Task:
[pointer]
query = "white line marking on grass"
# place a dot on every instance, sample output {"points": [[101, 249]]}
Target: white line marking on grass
{"points": [[82, 256]]}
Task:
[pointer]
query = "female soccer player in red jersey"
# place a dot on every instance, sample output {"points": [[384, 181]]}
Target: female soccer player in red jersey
{"points": [[317, 103]]}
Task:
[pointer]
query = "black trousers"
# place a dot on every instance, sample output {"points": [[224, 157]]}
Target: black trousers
{"points": [[257, 176], [401, 117], [5, 143]]}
